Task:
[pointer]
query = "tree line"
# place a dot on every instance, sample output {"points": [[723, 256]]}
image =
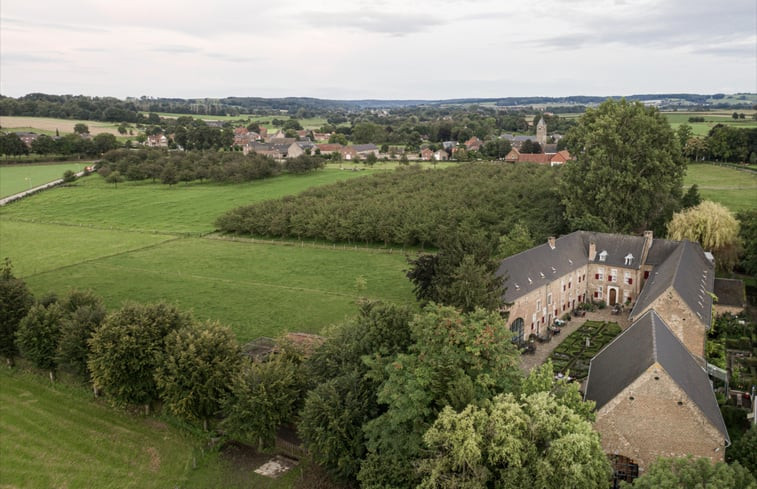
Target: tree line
{"points": [[67, 145], [171, 167], [411, 206]]}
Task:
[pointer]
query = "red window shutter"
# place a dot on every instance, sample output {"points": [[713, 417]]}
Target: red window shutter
{"points": [[596, 276], [646, 274], [569, 284], [556, 311], [630, 281], [596, 294]]}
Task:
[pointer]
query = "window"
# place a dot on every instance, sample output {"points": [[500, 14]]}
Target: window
{"points": [[549, 298], [646, 274], [562, 284], [613, 275], [629, 259], [603, 256], [598, 293], [600, 273], [569, 284], [627, 278], [538, 305]]}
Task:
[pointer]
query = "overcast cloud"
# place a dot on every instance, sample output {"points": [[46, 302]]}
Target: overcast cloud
{"points": [[377, 49]]}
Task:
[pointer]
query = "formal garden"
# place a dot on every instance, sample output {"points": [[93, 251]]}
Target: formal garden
{"points": [[573, 355]]}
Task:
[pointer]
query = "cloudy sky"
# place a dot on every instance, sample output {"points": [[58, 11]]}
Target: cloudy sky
{"points": [[387, 49]]}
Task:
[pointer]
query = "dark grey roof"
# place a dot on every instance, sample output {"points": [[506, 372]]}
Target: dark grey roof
{"points": [[537, 267], [617, 247], [660, 251], [647, 341], [730, 292], [689, 273], [364, 147], [550, 148]]}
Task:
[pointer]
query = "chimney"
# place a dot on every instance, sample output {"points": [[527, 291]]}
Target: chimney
{"points": [[551, 241], [648, 239], [592, 250]]}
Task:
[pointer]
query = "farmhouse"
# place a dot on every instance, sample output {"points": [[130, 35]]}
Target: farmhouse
{"points": [[651, 379], [551, 159]]}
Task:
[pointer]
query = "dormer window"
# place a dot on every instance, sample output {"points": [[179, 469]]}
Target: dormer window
{"points": [[629, 259], [517, 287], [603, 256]]}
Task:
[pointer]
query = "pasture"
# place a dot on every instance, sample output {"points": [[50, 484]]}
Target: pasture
{"points": [[711, 119], [307, 123], [48, 125], [56, 435], [736, 189], [17, 178], [153, 207]]}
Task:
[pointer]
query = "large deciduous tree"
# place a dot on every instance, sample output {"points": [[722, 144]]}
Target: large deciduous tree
{"points": [[531, 441], [748, 220], [37, 336], [127, 349], [713, 226], [691, 473], [627, 171], [84, 312], [456, 360], [195, 372], [15, 302]]}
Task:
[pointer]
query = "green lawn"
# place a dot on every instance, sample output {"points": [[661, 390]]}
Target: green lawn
{"points": [[256, 289], [733, 188], [573, 355], [17, 178], [144, 206], [56, 435], [710, 120], [307, 123]]}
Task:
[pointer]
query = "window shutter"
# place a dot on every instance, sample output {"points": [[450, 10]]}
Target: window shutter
{"points": [[630, 281], [596, 276], [596, 294]]}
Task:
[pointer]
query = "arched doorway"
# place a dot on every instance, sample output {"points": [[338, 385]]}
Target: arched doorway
{"points": [[517, 329], [612, 296]]}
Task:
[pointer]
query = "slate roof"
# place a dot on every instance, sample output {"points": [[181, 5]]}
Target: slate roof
{"points": [[730, 292], [364, 147], [689, 273], [538, 266], [617, 246], [647, 341], [660, 251]]}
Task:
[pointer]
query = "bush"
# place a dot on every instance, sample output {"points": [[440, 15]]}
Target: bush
{"points": [[69, 176]]}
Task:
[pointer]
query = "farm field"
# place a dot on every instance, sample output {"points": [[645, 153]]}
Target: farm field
{"points": [[256, 289], [154, 207], [48, 125], [733, 188], [710, 120], [307, 123], [17, 178], [56, 435]]}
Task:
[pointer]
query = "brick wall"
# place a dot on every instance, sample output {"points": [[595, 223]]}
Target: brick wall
{"points": [[653, 424]]}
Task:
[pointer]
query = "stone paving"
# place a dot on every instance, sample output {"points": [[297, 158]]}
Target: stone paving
{"points": [[528, 362]]}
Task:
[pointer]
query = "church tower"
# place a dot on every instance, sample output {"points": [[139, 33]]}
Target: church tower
{"points": [[541, 133]]}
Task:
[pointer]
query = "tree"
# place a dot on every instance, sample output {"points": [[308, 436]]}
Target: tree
{"points": [[11, 144], [168, 176], [81, 128], [691, 198], [37, 336], [15, 302], [744, 450], [627, 171], [84, 312], [371, 159], [691, 473], [456, 360], [343, 397], [713, 226], [44, 144], [104, 142], [516, 240], [127, 348], [531, 441], [69, 176], [115, 178], [263, 396], [195, 372], [684, 133], [748, 234]]}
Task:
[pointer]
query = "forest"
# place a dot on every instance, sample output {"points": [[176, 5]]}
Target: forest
{"points": [[412, 207]]}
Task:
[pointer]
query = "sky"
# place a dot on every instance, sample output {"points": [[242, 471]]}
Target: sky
{"points": [[379, 49]]}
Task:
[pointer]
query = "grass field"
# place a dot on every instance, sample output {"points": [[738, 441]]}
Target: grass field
{"points": [[48, 125], [149, 207], [56, 435], [17, 178], [307, 123], [733, 188], [710, 120]]}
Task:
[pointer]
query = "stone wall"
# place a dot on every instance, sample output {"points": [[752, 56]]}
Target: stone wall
{"points": [[682, 321]]}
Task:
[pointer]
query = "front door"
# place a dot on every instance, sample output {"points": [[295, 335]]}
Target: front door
{"points": [[613, 296]]}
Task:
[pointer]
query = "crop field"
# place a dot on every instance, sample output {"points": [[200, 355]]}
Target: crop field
{"points": [[307, 123], [17, 178], [56, 435], [48, 125], [733, 188], [154, 207]]}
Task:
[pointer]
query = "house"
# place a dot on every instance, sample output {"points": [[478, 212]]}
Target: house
{"points": [[299, 148], [328, 148], [556, 159], [157, 141], [361, 150], [441, 155], [276, 151], [653, 399], [673, 277], [473, 144], [427, 154], [27, 137]]}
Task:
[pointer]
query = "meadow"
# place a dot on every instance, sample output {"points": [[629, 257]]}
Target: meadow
{"points": [[17, 178], [711, 119], [736, 189], [307, 123], [56, 435], [48, 125]]}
